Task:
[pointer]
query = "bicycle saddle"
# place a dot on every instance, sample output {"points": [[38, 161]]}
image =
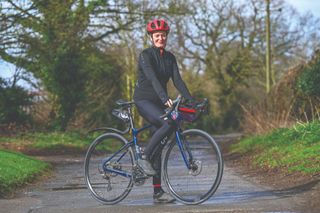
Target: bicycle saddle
{"points": [[123, 103]]}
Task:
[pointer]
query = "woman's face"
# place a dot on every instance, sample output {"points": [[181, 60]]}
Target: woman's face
{"points": [[159, 39]]}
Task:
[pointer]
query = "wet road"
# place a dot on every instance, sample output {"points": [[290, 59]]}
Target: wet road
{"points": [[66, 192]]}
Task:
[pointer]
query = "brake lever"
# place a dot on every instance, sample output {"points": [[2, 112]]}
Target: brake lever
{"points": [[175, 105], [167, 112]]}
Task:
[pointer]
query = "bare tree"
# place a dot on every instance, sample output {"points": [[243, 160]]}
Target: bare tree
{"points": [[225, 40]]}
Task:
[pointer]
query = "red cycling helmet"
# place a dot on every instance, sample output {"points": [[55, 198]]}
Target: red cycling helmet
{"points": [[157, 25]]}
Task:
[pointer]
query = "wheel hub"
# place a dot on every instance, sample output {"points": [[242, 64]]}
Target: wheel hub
{"points": [[196, 168], [114, 166]]}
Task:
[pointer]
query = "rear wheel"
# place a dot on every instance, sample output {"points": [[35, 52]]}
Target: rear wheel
{"points": [[198, 183], [109, 187]]}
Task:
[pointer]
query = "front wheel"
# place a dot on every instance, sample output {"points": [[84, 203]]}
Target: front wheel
{"points": [[197, 183], [109, 176]]}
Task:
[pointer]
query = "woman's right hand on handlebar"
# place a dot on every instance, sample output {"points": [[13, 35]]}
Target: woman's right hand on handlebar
{"points": [[169, 103]]}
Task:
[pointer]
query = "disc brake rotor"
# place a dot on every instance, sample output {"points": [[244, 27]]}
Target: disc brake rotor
{"points": [[196, 168]]}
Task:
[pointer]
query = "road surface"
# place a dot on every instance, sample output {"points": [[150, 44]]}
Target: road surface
{"points": [[66, 192]]}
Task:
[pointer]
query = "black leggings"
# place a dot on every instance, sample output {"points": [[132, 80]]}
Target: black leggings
{"points": [[152, 111]]}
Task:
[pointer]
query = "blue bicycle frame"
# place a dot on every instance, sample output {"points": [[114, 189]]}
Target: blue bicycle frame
{"points": [[132, 143]]}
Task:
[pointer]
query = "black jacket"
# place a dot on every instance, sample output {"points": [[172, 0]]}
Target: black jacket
{"points": [[154, 72]]}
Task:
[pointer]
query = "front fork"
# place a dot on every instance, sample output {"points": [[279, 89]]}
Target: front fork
{"points": [[184, 149]]}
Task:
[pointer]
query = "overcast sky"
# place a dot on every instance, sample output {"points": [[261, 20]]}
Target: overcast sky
{"points": [[306, 5]]}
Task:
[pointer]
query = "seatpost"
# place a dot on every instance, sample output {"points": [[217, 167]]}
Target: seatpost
{"points": [[131, 118]]}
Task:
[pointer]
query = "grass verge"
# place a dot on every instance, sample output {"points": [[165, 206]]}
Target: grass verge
{"points": [[293, 150], [17, 169], [48, 143]]}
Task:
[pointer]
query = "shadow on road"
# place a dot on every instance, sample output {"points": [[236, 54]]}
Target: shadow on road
{"points": [[297, 189]]}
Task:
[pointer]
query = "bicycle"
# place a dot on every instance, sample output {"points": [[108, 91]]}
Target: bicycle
{"points": [[192, 165]]}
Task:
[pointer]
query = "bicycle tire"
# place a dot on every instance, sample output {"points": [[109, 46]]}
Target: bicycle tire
{"points": [[97, 180], [193, 186]]}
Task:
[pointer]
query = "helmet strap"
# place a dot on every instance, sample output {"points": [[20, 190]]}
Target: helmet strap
{"points": [[150, 37]]}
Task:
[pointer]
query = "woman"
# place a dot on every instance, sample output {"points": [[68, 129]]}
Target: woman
{"points": [[155, 67]]}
